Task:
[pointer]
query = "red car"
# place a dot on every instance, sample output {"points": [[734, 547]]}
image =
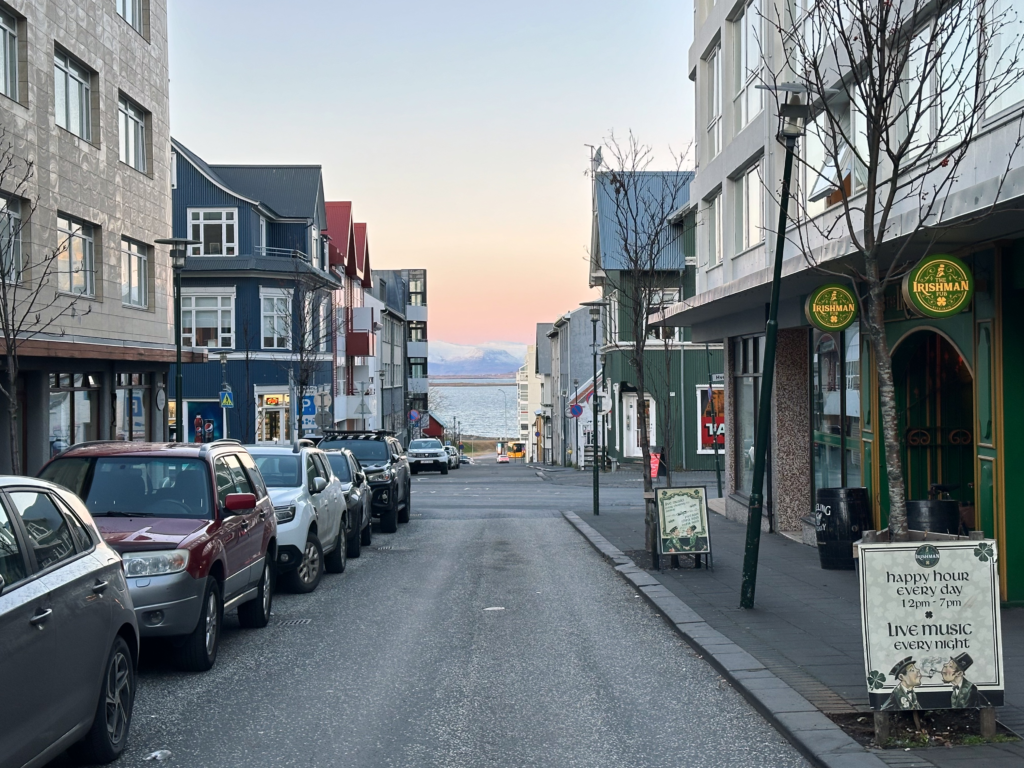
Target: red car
{"points": [[196, 530]]}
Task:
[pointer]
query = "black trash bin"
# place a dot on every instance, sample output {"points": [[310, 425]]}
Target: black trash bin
{"points": [[841, 516], [934, 515]]}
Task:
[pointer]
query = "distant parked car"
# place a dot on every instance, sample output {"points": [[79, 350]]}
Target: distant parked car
{"points": [[502, 458], [427, 454], [358, 496], [464, 459], [384, 461], [453, 456], [312, 519], [68, 631], [195, 527]]}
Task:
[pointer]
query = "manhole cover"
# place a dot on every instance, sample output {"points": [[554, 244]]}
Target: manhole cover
{"points": [[383, 549], [389, 548], [294, 622]]}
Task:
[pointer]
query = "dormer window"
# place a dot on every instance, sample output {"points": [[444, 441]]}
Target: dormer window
{"points": [[216, 229]]}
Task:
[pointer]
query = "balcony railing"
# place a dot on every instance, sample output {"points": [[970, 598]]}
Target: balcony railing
{"points": [[280, 253]]}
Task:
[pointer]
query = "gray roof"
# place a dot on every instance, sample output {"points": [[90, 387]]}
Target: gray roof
{"points": [[201, 164], [292, 191], [543, 348], [281, 265], [652, 198]]}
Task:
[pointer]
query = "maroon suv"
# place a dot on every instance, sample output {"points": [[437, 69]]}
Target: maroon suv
{"points": [[194, 526]]}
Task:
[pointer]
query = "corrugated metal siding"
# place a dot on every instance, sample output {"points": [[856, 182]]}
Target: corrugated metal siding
{"points": [[290, 236], [196, 191]]}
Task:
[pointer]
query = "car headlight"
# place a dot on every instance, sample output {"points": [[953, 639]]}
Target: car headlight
{"points": [[285, 514], [380, 477], [155, 563]]}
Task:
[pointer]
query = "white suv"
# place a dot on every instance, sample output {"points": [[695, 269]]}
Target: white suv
{"points": [[311, 509], [427, 454]]}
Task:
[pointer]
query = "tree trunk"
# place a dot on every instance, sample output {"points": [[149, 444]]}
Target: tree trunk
{"points": [[12, 412], [888, 413]]}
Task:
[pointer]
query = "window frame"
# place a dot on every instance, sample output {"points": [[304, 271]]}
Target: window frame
{"points": [[713, 213], [191, 294], [131, 134], [749, 29], [76, 229], [196, 219], [139, 258], [749, 178], [37, 569], [714, 104], [285, 334], [9, 58], [10, 212], [70, 69], [122, 7]]}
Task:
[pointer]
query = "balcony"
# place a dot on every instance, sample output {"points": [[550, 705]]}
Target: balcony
{"points": [[417, 349], [418, 386], [416, 312], [359, 326], [280, 253], [360, 344]]}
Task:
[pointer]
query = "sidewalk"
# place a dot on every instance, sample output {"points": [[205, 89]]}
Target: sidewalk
{"points": [[805, 628]]}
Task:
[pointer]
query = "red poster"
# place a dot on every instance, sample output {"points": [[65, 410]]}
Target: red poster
{"points": [[655, 463], [712, 419]]}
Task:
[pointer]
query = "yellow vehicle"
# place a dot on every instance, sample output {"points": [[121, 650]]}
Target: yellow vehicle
{"points": [[517, 449]]}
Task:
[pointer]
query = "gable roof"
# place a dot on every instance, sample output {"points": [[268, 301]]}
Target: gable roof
{"points": [[341, 228], [292, 191], [363, 255], [208, 171], [655, 195]]}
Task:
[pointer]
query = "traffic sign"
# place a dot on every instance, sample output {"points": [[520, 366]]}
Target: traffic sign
{"points": [[414, 415], [323, 399], [227, 399], [324, 418], [575, 410]]}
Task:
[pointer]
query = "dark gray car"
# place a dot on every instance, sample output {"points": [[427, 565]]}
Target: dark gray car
{"points": [[67, 630], [358, 497]]}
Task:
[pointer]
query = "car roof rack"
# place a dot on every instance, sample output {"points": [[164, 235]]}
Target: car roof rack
{"points": [[358, 433], [205, 447]]}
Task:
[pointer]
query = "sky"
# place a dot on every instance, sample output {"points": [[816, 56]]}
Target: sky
{"points": [[458, 129]]}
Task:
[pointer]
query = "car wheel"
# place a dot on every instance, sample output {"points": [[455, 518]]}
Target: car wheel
{"points": [[338, 559], [199, 651], [353, 543], [255, 614], [444, 470], [306, 577], [105, 740], [389, 517], [406, 509], [366, 535]]}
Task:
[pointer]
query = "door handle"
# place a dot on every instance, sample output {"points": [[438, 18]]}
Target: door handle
{"points": [[100, 586], [41, 618]]}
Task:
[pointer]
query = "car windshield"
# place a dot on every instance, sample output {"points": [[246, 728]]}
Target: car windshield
{"points": [[123, 486], [279, 471], [340, 466], [424, 445], [367, 451]]}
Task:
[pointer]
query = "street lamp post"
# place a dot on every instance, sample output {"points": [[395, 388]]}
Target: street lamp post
{"points": [[178, 258], [576, 423], [793, 114], [595, 315]]}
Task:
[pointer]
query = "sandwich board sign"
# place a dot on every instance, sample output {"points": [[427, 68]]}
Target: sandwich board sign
{"points": [[931, 624]]}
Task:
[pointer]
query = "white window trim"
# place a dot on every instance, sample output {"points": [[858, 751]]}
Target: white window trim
{"points": [[143, 259], [716, 255], [276, 293], [131, 133], [174, 169], [220, 291], [134, 7], [197, 250], [9, 54], [747, 78]]}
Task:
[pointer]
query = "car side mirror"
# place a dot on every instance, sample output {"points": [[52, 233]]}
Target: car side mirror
{"points": [[360, 477], [236, 503], [319, 485]]}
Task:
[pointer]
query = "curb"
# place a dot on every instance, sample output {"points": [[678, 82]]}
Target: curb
{"points": [[817, 738]]}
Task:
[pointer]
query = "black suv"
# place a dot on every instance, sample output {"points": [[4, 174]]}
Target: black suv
{"points": [[387, 470]]}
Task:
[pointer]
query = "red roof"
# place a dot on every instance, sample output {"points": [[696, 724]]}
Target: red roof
{"points": [[340, 227], [363, 255]]}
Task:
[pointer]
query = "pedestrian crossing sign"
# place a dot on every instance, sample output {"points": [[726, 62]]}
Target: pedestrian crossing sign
{"points": [[227, 399]]}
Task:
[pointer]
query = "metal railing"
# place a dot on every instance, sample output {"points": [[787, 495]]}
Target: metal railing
{"points": [[280, 253]]}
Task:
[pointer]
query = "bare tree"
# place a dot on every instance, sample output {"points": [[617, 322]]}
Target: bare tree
{"points": [[246, 401], [897, 92], [30, 303], [641, 204]]}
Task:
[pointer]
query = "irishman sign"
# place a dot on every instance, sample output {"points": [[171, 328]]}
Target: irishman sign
{"points": [[939, 286], [831, 308], [930, 616]]}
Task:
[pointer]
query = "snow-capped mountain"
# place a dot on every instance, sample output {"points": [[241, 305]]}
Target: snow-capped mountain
{"points": [[491, 357]]}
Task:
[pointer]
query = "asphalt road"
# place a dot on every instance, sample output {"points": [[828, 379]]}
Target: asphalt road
{"points": [[398, 662]]}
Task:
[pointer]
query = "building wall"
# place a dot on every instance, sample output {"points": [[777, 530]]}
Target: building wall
{"points": [[790, 454]]}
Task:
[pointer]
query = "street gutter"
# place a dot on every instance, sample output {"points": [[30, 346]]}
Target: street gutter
{"points": [[815, 736]]}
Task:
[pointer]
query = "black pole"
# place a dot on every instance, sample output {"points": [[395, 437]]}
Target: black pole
{"points": [[593, 412], [764, 406], [179, 417], [714, 420]]}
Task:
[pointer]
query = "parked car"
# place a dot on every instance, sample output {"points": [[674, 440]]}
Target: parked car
{"points": [[386, 466], [67, 629], [464, 459], [427, 454], [453, 456], [358, 496], [311, 514], [195, 527]]}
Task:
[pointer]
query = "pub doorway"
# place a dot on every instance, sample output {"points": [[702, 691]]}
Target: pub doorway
{"points": [[935, 404]]}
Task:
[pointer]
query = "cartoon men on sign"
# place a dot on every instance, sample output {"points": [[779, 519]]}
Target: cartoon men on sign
{"points": [[682, 542], [903, 696], [965, 693]]}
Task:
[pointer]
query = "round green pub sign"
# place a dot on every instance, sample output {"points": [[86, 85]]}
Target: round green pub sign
{"points": [[831, 307], [939, 286]]}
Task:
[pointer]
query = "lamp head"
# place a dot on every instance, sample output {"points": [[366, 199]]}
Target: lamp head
{"points": [[794, 114]]}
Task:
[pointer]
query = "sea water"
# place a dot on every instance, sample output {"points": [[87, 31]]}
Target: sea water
{"points": [[481, 409]]}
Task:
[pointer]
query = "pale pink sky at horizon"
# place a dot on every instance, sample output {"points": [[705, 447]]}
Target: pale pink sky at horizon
{"points": [[458, 131]]}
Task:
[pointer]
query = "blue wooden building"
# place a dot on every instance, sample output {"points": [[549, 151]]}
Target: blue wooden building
{"points": [[256, 294]]}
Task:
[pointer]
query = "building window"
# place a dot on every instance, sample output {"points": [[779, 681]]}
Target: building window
{"points": [[215, 229], [749, 38], [174, 170], [131, 11], [74, 256], [836, 444], [8, 55], [417, 331], [750, 195], [714, 227], [131, 407], [74, 409], [417, 367], [10, 238], [714, 70], [417, 288], [276, 321], [134, 273], [207, 320], [325, 325], [1006, 91], [131, 133], [72, 95]]}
